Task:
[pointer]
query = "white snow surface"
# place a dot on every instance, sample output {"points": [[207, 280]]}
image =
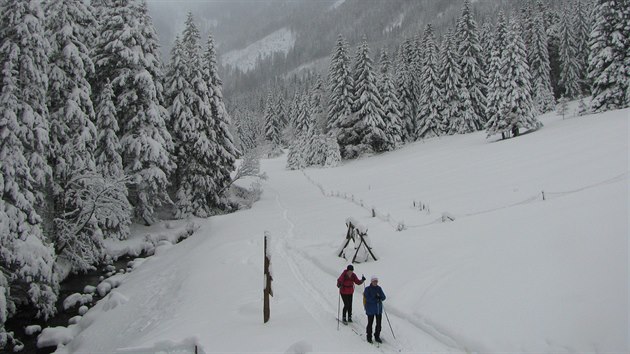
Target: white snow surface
{"points": [[280, 41], [336, 4], [511, 273]]}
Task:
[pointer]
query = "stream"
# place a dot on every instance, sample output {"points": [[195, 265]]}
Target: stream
{"points": [[75, 283]]}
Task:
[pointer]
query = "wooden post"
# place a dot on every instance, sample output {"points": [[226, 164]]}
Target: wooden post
{"points": [[349, 236], [362, 242], [268, 278]]}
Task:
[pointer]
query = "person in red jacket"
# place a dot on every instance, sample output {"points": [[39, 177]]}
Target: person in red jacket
{"points": [[345, 283]]}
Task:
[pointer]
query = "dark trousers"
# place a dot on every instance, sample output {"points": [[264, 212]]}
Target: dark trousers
{"points": [[347, 305], [377, 330]]}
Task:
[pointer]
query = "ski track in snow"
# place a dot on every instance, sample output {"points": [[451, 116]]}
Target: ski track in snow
{"points": [[297, 260], [285, 250]]}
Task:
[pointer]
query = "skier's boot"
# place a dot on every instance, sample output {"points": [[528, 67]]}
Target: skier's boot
{"points": [[344, 320], [369, 339], [350, 318], [378, 339]]}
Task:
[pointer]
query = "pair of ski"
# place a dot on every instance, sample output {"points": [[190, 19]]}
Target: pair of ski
{"points": [[356, 331]]}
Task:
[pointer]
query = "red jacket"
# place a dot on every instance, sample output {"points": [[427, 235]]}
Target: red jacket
{"points": [[346, 283]]}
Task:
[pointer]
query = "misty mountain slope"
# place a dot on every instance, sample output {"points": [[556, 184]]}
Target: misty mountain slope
{"points": [[512, 273], [278, 42], [316, 24]]}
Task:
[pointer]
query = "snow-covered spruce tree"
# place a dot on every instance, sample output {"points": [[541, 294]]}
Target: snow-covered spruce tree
{"points": [[569, 65], [313, 149], [318, 106], [193, 129], [227, 153], [394, 125], [296, 157], [474, 81], [281, 111], [405, 91], [73, 135], [563, 107], [332, 151], [250, 130], [341, 85], [457, 114], [582, 28], [368, 104], [109, 165], [293, 109], [428, 119], [272, 126], [26, 257], [417, 56], [609, 57], [127, 54], [497, 84], [25, 47], [516, 110], [552, 20], [303, 119], [486, 40], [538, 58]]}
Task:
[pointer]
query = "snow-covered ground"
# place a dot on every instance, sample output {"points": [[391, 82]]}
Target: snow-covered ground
{"points": [[280, 41], [511, 273], [336, 4]]}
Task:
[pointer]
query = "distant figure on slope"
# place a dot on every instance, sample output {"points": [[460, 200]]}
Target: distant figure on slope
{"points": [[345, 283], [373, 297]]}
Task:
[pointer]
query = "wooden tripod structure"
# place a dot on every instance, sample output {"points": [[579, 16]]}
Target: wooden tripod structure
{"points": [[352, 234]]}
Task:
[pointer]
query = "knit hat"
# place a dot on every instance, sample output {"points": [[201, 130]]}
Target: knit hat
{"points": [[350, 267], [373, 278]]}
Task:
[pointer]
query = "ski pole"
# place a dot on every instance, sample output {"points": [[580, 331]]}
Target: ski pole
{"points": [[338, 306], [387, 317]]}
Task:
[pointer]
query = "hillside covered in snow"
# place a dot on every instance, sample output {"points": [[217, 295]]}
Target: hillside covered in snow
{"points": [[518, 245]]}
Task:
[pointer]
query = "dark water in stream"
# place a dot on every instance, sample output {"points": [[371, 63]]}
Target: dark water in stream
{"points": [[73, 284]]}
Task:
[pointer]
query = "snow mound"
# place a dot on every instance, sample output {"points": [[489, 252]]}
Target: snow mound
{"points": [[75, 299], [301, 347], [186, 346], [55, 336], [108, 284], [114, 299], [280, 41], [135, 263]]}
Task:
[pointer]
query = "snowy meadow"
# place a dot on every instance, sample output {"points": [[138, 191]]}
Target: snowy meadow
{"points": [[477, 149], [513, 272]]}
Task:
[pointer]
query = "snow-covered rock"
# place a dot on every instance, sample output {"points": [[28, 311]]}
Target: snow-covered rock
{"points": [[89, 289], [75, 299], [83, 310], [30, 330], [55, 336]]}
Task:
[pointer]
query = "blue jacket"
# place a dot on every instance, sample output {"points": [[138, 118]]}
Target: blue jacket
{"points": [[372, 298]]}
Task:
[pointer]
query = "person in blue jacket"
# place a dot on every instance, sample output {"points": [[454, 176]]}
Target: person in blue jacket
{"points": [[373, 297]]}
